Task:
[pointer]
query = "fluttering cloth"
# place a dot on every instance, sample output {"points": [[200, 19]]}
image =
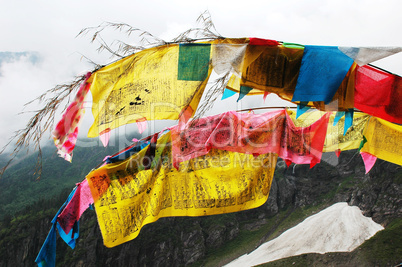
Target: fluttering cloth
{"points": [[47, 253], [275, 69], [269, 68], [335, 138], [383, 140], [80, 202], [271, 132], [167, 82], [322, 71], [66, 131], [366, 55], [153, 84], [127, 197], [379, 93]]}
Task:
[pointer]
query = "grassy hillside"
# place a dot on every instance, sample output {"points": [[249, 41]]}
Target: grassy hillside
{"points": [[20, 186], [296, 193]]}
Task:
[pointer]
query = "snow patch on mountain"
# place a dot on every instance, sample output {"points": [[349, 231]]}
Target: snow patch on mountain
{"points": [[338, 228]]}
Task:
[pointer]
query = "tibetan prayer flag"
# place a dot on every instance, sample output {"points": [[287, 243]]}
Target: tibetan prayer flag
{"points": [[271, 68], [153, 84], [228, 58], [368, 160], [231, 131], [265, 42], [127, 197], [66, 131], [304, 145], [80, 202], [47, 253], [244, 90], [227, 93], [271, 132], [105, 137], [322, 71], [379, 93], [383, 140], [335, 138], [301, 109], [348, 120], [365, 55]]}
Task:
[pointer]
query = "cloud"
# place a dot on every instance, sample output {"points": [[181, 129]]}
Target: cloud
{"points": [[50, 28]]}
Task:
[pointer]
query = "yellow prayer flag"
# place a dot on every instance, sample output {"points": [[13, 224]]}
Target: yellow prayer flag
{"points": [[335, 139], [127, 197], [153, 84], [384, 140]]}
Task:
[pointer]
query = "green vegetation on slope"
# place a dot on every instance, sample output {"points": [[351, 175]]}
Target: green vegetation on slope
{"points": [[20, 186]]}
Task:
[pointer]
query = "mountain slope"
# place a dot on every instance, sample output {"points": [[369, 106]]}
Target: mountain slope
{"points": [[19, 184], [297, 192]]}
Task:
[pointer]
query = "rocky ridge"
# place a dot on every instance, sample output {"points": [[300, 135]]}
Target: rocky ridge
{"points": [[296, 192]]}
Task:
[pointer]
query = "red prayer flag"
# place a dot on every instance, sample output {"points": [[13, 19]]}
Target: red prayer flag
{"points": [[378, 93], [80, 201], [260, 41]]}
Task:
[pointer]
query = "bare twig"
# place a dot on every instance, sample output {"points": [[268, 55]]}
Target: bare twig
{"points": [[212, 94], [43, 119]]}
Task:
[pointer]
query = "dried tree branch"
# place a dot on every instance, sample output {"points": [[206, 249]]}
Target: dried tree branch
{"points": [[43, 119]]}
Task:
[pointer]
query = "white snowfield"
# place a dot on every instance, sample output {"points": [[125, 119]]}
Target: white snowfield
{"points": [[338, 228]]}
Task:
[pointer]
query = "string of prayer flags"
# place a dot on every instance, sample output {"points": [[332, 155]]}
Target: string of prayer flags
{"points": [[153, 84], [66, 131], [222, 163], [322, 71], [378, 93], [167, 82], [127, 196], [383, 140], [271, 132]]}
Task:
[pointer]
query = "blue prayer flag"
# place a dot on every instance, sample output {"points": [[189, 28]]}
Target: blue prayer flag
{"points": [[321, 73]]}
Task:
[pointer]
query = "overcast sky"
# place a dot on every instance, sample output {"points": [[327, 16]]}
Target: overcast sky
{"points": [[50, 28]]}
